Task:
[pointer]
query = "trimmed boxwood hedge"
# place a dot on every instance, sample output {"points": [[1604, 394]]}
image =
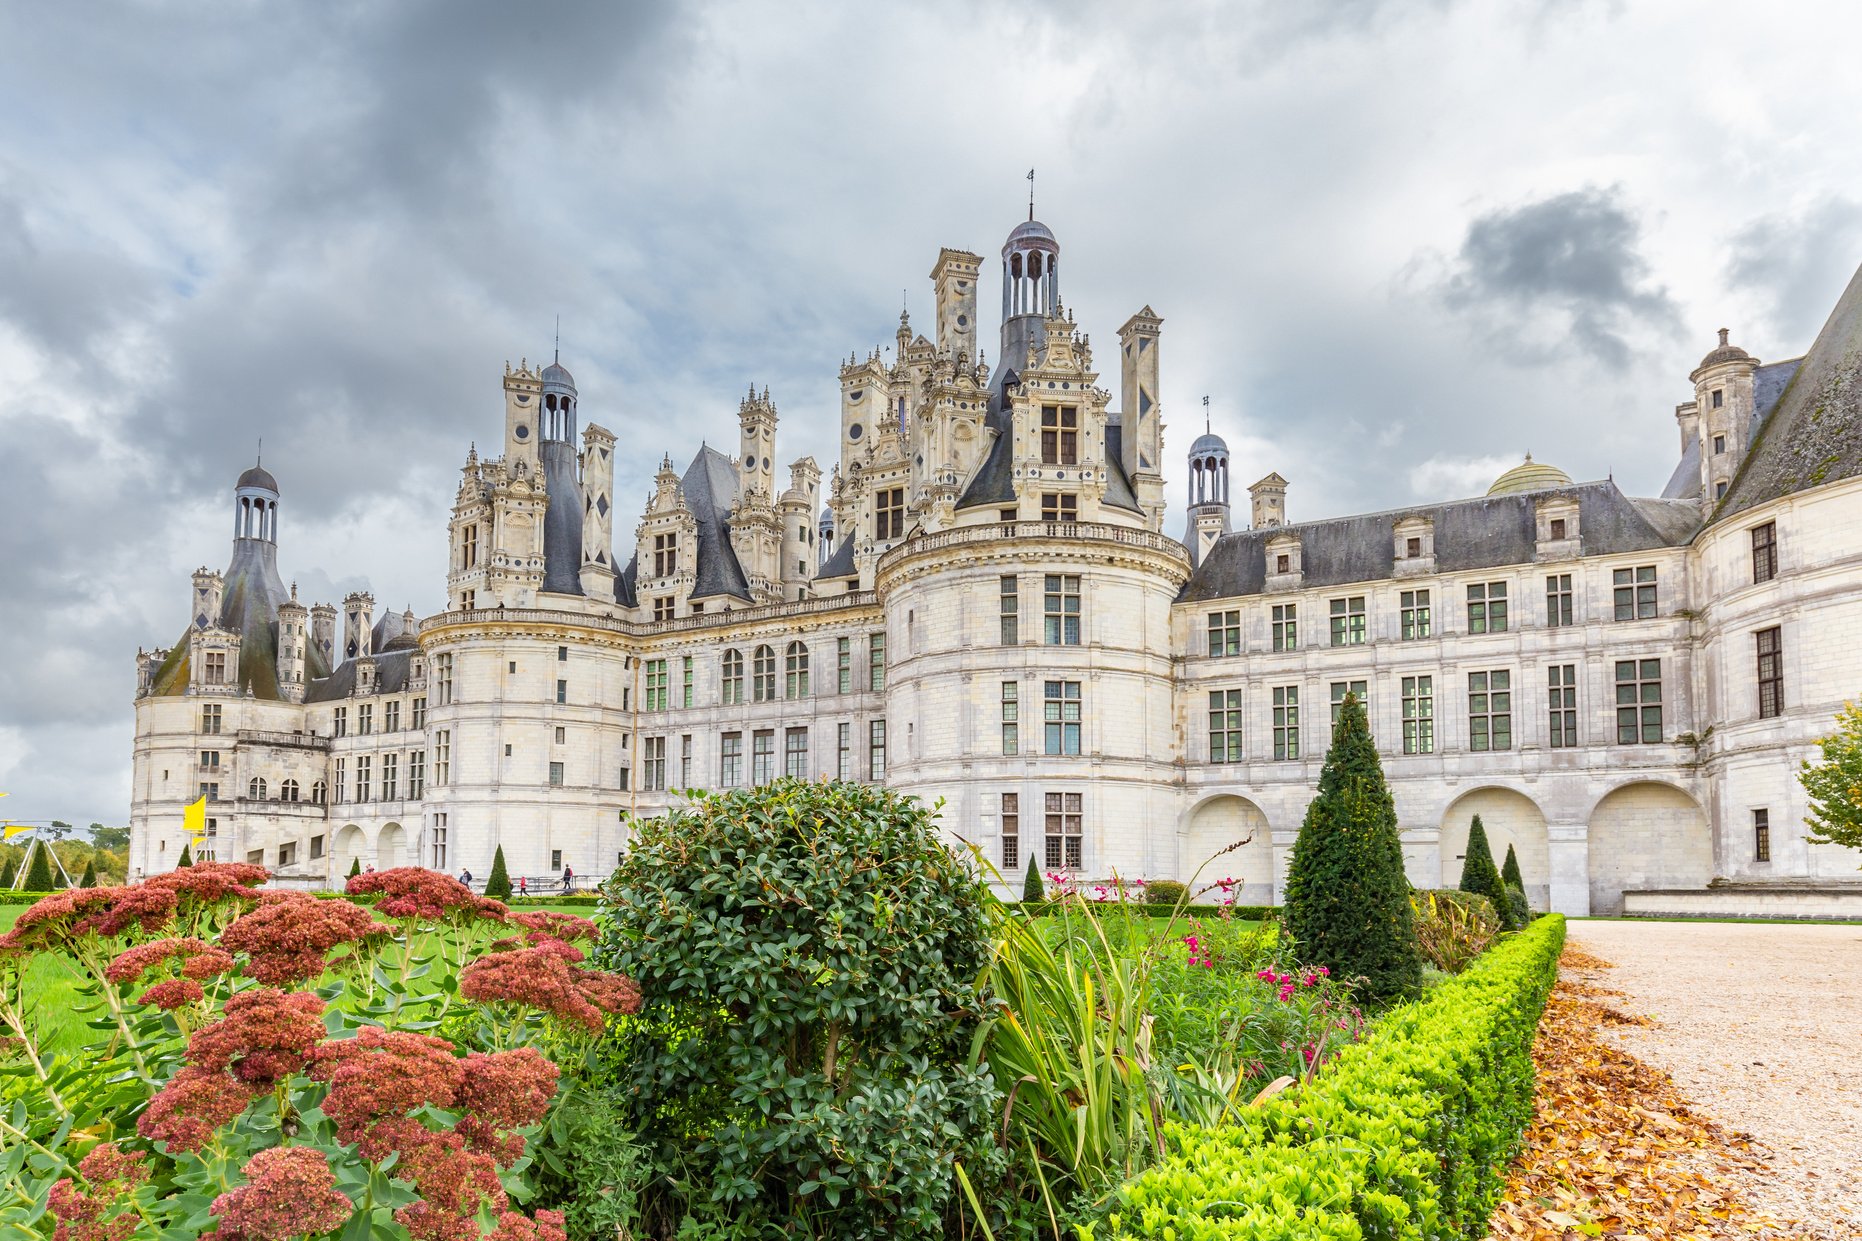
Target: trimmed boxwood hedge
{"points": [[1406, 1135]]}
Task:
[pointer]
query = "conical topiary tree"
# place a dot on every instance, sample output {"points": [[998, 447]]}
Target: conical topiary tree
{"points": [[355, 867], [187, 856], [1480, 875], [1509, 872], [498, 883], [90, 875], [1033, 888], [39, 871], [8, 874], [1347, 900]]}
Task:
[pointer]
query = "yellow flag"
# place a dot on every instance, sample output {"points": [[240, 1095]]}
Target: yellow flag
{"points": [[194, 818], [14, 829]]}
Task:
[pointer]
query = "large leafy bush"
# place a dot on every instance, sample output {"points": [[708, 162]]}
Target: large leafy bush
{"points": [[811, 954], [1347, 900]]}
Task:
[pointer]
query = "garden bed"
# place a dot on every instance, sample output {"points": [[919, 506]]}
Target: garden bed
{"points": [[1406, 1135]]}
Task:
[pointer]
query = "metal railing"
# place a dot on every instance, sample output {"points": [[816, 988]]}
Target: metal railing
{"points": [[262, 736], [706, 620]]}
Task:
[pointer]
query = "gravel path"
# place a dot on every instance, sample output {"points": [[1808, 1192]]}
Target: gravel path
{"points": [[1758, 1025]]}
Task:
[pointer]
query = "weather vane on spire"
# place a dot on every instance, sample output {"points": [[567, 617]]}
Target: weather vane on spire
{"points": [[559, 339], [1205, 415], [1031, 193], [260, 459]]}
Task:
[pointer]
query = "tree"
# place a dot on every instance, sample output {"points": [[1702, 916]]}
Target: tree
{"points": [[498, 883], [90, 876], [1835, 784], [187, 856], [1479, 875], [1509, 873], [355, 867], [110, 838], [39, 873], [8, 874], [1347, 899], [1033, 889]]}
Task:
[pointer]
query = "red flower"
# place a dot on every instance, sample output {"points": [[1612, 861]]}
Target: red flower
{"points": [[548, 1226], [58, 919], [380, 1076], [503, 1091], [173, 994], [209, 883], [426, 1223], [416, 892], [197, 959], [287, 941], [548, 923], [540, 978], [288, 1192], [107, 1164], [194, 1103], [80, 1216], [264, 1036]]}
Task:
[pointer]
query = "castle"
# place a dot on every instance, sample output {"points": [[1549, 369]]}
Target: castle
{"points": [[1620, 686]]}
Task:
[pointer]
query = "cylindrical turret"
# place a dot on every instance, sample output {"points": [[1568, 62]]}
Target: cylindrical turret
{"points": [[293, 647], [255, 506]]}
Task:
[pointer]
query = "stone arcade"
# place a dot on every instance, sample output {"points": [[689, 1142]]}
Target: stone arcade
{"points": [[985, 607]]}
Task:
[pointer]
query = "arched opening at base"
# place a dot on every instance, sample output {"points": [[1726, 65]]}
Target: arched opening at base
{"points": [[1510, 819], [1227, 837], [1646, 836]]}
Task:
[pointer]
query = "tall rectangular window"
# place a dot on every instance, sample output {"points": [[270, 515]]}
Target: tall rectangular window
{"points": [[1487, 607], [210, 760], [1060, 607], [1761, 835], [556, 774], [1011, 717], [210, 718], [390, 776], [342, 780], [1058, 506], [418, 711], [1011, 831], [653, 771], [1286, 721], [1348, 621], [1635, 592], [1638, 701], [438, 838], [657, 693], [889, 514], [843, 751], [363, 786], [1286, 626], [665, 555], [665, 608], [1561, 696], [1415, 617], [443, 757], [685, 761], [763, 674], [1009, 607], [216, 668], [1060, 435], [795, 753], [339, 722], [795, 671], [1490, 710], [1064, 849], [762, 756], [876, 663], [443, 679], [1419, 715], [1060, 715], [1771, 671], [1558, 600], [391, 716], [562, 691], [730, 760], [1224, 633], [843, 665], [1225, 726], [876, 750], [1765, 552], [416, 774], [1357, 689], [365, 719], [732, 677], [468, 547]]}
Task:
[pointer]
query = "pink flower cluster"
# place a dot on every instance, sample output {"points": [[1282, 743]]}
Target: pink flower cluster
{"points": [[428, 895], [542, 978], [1198, 955], [112, 1176], [289, 1191], [1290, 984], [193, 959], [288, 940]]}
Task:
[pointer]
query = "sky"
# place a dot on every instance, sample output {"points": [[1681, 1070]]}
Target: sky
{"points": [[1397, 245]]}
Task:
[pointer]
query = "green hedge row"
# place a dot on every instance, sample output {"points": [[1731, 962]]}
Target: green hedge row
{"points": [[1406, 1135], [1247, 913]]}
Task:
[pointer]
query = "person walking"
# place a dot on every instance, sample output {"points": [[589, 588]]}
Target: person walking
{"points": [[523, 885], [465, 877], [568, 878]]}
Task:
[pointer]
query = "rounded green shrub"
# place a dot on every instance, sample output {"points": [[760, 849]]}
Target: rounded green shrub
{"points": [[809, 956], [1517, 905], [1165, 892]]}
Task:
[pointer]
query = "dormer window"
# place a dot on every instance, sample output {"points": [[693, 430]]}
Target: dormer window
{"points": [[1283, 564], [665, 555], [1412, 548], [1060, 435], [1558, 527]]}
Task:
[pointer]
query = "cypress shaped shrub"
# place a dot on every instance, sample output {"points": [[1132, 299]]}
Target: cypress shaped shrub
{"points": [[8, 874], [355, 867], [1480, 875], [39, 873], [187, 856], [498, 883], [1509, 873], [90, 875], [1347, 900], [1033, 889]]}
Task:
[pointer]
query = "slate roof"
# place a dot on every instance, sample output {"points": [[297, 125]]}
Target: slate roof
{"points": [[1814, 435], [391, 674], [562, 521], [994, 483], [1486, 532], [710, 488], [840, 564], [249, 607]]}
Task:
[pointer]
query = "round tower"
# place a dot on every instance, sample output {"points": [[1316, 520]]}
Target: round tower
{"points": [[255, 506], [824, 529], [1030, 295], [1724, 401], [558, 404], [1209, 496]]}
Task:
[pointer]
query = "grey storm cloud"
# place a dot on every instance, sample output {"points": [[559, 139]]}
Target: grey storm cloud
{"points": [[1562, 273], [328, 227]]}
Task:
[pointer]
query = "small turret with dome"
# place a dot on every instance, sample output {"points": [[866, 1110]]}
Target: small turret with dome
{"points": [[1529, 475], [1208, 508]]}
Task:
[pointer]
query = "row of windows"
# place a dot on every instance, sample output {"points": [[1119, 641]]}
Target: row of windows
{"points": [[658, 772], [390, 714], [364, 785], [1488, 610], [1490, 711], [1060, 609], [1062, 837]]}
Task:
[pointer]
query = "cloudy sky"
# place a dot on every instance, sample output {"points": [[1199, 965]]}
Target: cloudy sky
{"points": [[1398, 245]]}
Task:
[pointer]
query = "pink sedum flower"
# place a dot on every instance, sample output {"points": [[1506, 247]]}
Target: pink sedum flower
{"points": [[195, 1102], [289, 1191]]}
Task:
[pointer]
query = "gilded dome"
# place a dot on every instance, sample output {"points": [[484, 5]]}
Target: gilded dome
{"points": [[1529, 475]]}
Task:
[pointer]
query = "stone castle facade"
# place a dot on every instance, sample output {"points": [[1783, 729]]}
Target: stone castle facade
{"points": [[985, 607]]}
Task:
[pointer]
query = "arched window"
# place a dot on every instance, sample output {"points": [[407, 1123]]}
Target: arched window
{"points": [[733, 677], [795, 682], [319, 793], [288, 791], [255, 788], [763, 674]]}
